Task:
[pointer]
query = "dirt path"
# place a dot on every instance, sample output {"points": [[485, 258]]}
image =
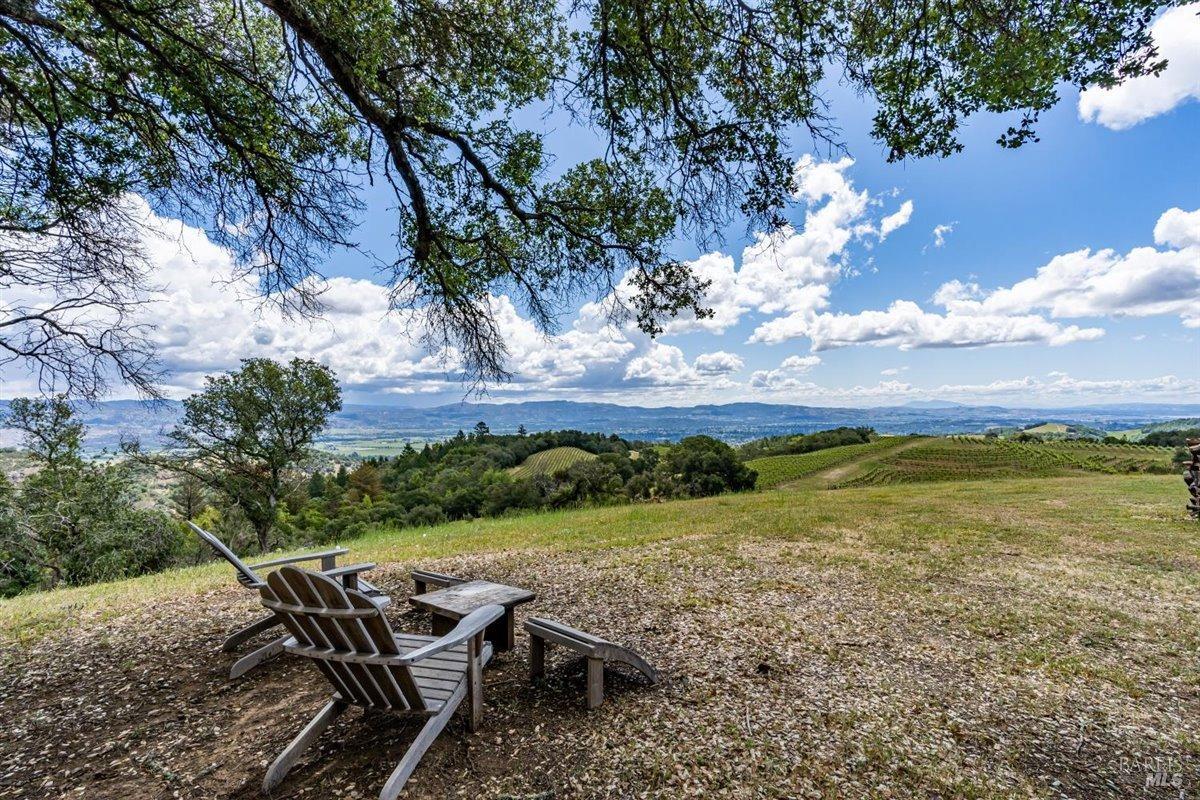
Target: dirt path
{"points": [[827, 478]]}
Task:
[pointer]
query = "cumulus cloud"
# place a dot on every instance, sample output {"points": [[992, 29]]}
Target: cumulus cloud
{"points": [[718, 363], [793, 269], [907, 326], [664, 365], [894, 222], [1177, 36], [1083, 284], [940, 232], [1143, 282], [786, 376]]}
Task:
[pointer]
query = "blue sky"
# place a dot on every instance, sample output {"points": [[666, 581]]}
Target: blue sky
{"points": [[859, 305]]}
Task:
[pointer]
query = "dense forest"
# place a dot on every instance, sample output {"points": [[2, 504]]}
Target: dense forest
{"points": [[472, 475]]}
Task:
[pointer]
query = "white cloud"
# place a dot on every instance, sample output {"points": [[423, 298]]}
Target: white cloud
{"points": [[1178, 228], [907, 326], [797, 364], [793, 269], [893, 371], [718, 363], [940, 232], [1177, 36], [1143, 282], [893, 222], [786, 376]]}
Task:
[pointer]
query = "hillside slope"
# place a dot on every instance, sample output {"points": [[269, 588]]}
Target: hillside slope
{"points": [[936, 639], [779, 470], [959, 458], [548, 462]]}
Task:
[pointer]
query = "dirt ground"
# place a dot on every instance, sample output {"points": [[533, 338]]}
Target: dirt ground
{"points": [[785, 675]]}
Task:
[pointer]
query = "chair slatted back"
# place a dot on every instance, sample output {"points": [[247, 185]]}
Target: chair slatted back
{"points": [[346, 636], [245, 575]]}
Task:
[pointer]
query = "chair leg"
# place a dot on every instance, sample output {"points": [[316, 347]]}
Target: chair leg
{"points": [[287, 759], [237, 638], [537, 657], [252, 660], [417, 749], [595, 682]]}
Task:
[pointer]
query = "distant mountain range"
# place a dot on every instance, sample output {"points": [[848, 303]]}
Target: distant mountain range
{"points": [[367, 429]]}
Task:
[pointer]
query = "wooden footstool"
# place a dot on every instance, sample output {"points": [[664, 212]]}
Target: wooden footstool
{"points": [[596, 650]]}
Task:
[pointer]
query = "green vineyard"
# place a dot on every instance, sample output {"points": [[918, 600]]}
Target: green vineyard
{"points": [[958, 458], [775, 470], [548, 462]]}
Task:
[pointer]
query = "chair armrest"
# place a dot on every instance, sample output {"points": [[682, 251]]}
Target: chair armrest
{"points": [[470, 625], [349, 569], [321, 556]]}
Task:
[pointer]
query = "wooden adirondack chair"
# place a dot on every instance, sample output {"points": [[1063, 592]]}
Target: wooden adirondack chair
{"points": [[247, 576], [348, 639]]}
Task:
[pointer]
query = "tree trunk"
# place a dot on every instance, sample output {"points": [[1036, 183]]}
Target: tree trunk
{"points": [[263, 530]]}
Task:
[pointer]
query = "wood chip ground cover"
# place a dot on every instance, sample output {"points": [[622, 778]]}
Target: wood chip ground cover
{"points": [[831, 654]]}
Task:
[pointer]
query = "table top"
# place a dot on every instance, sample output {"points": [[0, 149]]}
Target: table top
{"points": [[458, 601]]}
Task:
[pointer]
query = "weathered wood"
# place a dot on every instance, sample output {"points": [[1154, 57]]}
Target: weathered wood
{"points": [[284, 762], [256, 657], [423, 579], [416, 750], [595, 682], [240, 637], [1191, 477], [456, 602], [248, 577], [475, 681], [596, 650], [349, 640], [537, 657]]}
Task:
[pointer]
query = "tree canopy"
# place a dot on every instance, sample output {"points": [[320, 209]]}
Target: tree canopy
{"points": [[262, 120], [247, 430]]}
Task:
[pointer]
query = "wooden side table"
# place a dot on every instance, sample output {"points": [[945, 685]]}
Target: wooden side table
{"points": [[451, 604]]}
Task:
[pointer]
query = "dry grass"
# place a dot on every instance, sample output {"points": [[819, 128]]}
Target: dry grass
{"points": [[1005, 639]]}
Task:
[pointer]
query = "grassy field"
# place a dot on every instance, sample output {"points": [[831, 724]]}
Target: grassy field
{"points": [[1034, 637], [548, 462], [778, 470], [973, 458]]}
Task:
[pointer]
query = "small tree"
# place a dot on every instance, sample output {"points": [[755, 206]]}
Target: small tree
{"points": [[365, 481], [189, 495], [700, 466], [75, 522], [245, 433], [521, 431], [316, 485]]}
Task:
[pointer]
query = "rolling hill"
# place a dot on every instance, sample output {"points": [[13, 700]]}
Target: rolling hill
{"points": [[777, 470], [548, 462], [968, 458]]}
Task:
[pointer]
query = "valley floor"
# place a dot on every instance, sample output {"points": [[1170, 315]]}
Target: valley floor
{"points": [[982, 639]]}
